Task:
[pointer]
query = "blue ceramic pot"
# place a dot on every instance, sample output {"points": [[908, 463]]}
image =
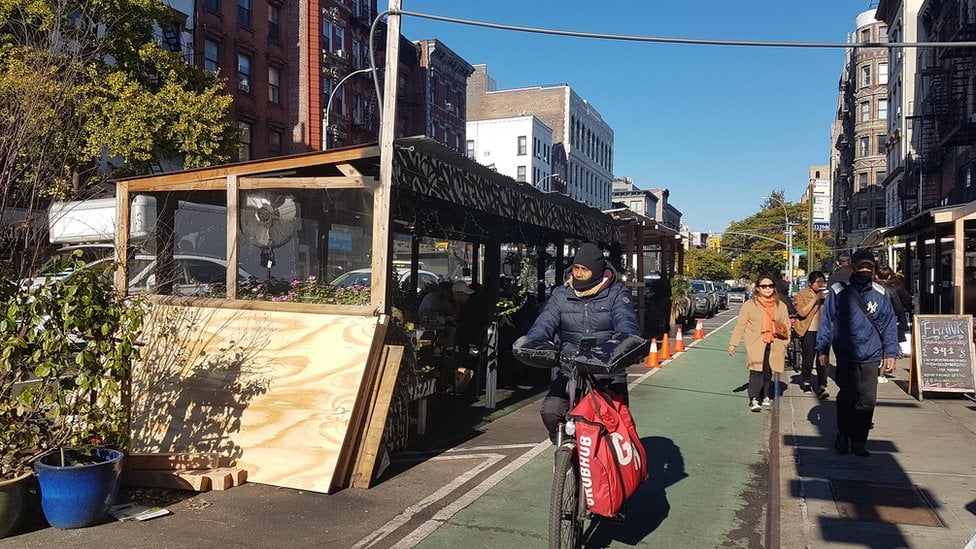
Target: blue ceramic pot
{"points": [[79, 495]]}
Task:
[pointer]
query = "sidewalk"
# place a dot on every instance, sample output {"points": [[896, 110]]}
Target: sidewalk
{"points": [[917, 489]]}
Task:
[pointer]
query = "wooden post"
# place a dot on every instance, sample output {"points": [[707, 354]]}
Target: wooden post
{"points": [[233, 217], [122, 237], [382, 241]]}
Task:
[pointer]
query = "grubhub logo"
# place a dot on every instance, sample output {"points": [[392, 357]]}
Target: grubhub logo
{"points": [[585, 450], [625, 451]]}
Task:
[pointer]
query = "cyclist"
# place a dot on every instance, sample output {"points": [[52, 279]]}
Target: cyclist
{"points": [[588, 321]]}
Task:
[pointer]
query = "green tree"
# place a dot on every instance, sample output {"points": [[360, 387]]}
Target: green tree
{"points": [[82, 81], [757, 243], [707, 264]]}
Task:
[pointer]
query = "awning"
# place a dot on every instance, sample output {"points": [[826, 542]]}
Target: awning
{"points": [[935, 216]]}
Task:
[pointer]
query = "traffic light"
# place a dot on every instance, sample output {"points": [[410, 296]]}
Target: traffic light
{"points": [[785, 255]]}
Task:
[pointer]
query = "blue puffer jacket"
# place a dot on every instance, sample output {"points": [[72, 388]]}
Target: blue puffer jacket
{"points": [[844, 325], [608, 316]]}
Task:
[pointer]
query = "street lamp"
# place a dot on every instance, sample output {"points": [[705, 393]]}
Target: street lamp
{"points": [[553, 175], [789, 242], [328, 105]]}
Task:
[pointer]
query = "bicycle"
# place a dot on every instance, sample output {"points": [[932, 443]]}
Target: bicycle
{"points": [[567, 506]]}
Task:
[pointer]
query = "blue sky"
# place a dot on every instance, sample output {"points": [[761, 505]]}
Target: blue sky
{"points": [[719, 126]]}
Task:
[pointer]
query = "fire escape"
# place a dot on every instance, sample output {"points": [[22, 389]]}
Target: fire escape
{"points": [[947, 113]]}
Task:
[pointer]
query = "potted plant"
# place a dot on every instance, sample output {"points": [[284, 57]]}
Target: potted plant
{"points": [[66, 345]]}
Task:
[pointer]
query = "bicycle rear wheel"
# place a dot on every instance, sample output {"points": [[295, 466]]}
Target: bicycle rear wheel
{"points": [[566, 506]]}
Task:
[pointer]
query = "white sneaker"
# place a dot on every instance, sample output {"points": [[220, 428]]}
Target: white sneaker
{"points": [[767, 402], [882, 379], [754, 405]]}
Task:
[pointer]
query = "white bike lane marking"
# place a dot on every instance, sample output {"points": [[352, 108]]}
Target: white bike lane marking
{"points": [[469, 497]]}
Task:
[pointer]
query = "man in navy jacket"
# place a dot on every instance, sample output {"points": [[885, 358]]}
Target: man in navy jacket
{"points": [[860, 324], [595, 324]]}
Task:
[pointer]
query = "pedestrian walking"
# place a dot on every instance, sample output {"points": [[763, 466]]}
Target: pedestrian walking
{"points": [[859, 322], [809, 305], [901, 302], [764, 324], [842, 269]]}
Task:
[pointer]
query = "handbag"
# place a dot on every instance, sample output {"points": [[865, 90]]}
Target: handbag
{"points": [[780, 330]]}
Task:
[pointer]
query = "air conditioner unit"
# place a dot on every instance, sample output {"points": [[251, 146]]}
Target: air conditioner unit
{"points": [[341, 53], [448, 106]]}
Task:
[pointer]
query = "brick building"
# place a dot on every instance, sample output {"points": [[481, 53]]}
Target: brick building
{"points": [[248, 41]]}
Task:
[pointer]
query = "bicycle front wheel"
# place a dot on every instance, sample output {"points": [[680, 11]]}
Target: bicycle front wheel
{"points": [[566, 506]]}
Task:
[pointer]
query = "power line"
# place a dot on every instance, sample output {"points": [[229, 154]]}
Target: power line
{"points": [[683, 41]]}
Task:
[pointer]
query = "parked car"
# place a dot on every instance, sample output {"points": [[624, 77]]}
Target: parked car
{"points": [[723, 295], [363, 277], [194, 274], [702, 302], [738, 294]]}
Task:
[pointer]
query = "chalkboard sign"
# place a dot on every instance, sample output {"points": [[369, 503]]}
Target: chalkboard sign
{"points": [[943, 357]]}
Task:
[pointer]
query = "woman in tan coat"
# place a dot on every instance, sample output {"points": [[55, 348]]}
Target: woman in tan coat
{"points": [[764, 322]]}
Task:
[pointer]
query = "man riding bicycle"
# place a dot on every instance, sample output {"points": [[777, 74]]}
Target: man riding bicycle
{"points": [[590, 322]]}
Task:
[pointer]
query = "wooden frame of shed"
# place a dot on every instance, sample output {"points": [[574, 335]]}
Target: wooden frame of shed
{"points": [[298, 393]]}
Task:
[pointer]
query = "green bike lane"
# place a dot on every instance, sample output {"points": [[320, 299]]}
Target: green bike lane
{"points": [[707, 461]]}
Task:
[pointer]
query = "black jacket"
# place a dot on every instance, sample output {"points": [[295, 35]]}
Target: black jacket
{"points": [[608, 316]]}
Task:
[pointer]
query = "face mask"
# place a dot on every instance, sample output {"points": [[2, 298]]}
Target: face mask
{"points": [[862, 278]]}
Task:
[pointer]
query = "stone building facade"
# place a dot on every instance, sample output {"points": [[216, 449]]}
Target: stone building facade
{"points": [[576, 125]]}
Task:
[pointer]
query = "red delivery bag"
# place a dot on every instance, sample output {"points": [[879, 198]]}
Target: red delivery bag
{"points": [[612, 460]]}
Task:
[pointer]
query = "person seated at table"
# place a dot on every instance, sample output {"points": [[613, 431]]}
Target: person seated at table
{"points": [[474, 318], [438, 306]]}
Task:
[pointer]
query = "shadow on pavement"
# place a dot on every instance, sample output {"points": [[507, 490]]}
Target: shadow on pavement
{"points": [[648, 507]]}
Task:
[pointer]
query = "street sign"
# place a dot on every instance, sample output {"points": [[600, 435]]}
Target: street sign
{"points": [[800, 252], [821, 204]]}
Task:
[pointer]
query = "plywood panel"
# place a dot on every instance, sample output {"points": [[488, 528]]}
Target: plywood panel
{"points": [[273, 391]]}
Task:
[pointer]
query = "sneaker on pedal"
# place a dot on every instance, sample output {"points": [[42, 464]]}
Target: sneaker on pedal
{"points": [[767, 401], [754, 405]]}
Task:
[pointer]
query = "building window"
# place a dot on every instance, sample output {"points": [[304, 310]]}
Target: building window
{"points": [[326, 35], [244, 73], [521, 148], [865, 146], [357, 110], [274, 143], [879, 217], [881, 143], [469, 149], [244, 141], [274, 23], [866, 35], [211, 54], [326, 86], [866, 75], [244, 13], [521, 174], [882, 73], [274, 85], [879, 178], [862, 181], [357, 54], [865, 111], [212, 5], [338, 38], [882, 109]]}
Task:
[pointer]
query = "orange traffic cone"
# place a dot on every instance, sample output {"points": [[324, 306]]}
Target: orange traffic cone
{"points": [[679, 341], [652, 358], [665, 348], [699, 330]]}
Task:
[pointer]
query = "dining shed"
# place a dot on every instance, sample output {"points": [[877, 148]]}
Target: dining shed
{"points": [[251, 353]]}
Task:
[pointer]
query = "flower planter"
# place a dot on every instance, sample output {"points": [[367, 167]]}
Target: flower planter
{"points": [[13, 493], [80, 493]]}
